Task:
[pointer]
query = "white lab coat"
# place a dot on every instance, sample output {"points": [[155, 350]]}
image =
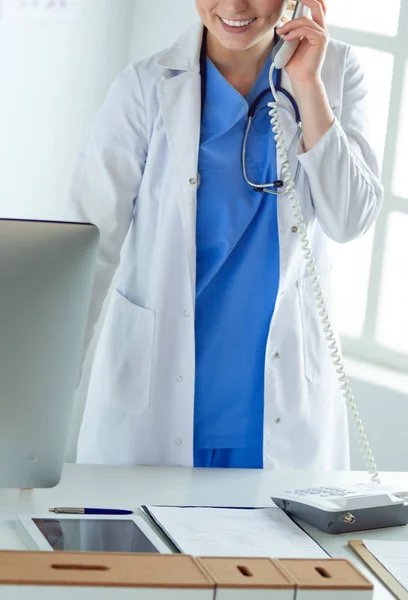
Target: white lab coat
{"points": [[137, 181]]}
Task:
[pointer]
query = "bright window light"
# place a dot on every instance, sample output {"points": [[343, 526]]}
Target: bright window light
{"points": [[375, 16], [351, 277], [378, 102], [400, 180], [392, 324]]}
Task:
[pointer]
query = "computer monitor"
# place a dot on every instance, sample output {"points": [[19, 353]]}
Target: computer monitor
{"points": [[46, 278]]}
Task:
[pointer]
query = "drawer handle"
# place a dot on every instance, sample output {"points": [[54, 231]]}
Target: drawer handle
{"points": [[80, 567], [245, 571], [323, 572]]}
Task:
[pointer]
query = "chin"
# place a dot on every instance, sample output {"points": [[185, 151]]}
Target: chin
{"points": [[237, 45]]}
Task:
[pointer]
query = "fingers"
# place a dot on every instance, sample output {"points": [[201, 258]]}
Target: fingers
{"points": [[297, 24], [313, 35], [318, 10]]}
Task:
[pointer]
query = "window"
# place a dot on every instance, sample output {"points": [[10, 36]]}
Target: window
{"points": [[371, 286], [365, 15]]}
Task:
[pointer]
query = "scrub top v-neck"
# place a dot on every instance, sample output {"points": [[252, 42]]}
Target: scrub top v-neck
{"points": [[237, 266]]}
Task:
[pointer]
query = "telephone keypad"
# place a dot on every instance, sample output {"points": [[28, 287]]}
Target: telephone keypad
{"points": [[323, 492]]}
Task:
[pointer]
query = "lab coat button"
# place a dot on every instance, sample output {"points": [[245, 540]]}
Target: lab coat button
{"points": [[178, 442], [179, 379], [277, 355], [278, 421], [186, 313], [192, 181], [294, 229]]}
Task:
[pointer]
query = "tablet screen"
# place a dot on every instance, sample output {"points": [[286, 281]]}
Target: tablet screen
{"points": [[91, 535]]}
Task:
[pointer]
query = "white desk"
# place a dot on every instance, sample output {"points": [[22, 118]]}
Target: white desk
{"points": [[120, 487]]}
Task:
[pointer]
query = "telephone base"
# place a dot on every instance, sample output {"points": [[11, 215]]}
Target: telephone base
{"points": [[365, 518], [337, 510]]}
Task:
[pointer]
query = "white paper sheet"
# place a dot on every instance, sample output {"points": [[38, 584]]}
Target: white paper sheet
{"points": [[236, 532], [393, 556]]}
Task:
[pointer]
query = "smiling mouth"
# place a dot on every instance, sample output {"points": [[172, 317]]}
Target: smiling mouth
{"points": [[236, 23]]}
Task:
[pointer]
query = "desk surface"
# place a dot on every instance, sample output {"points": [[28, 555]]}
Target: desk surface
{"points": [[121, 487]]}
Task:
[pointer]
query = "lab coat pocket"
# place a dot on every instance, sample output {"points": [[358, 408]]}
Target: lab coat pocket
{"points": [[312, 330], [131, 355]]}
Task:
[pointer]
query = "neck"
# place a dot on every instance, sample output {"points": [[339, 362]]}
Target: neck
{"points": [[245, 64]]}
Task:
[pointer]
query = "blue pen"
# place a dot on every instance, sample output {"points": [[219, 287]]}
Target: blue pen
{"points": [[90, 511]]}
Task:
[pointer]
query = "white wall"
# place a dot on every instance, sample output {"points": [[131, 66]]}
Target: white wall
{"points": [[53, 77], [382, 401], [157, 25]]}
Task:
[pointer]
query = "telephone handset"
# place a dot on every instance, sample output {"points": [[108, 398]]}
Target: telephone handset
{"points": [[329, 508], [283, 51]]}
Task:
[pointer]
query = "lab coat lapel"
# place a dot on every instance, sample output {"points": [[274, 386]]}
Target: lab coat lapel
{"points": [[180, 100]]}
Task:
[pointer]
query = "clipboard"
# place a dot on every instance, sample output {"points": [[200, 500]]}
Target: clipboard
{"points": [[379, 570], [184, 540]]}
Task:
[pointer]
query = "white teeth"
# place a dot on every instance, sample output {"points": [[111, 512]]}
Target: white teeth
{"points": [[237, 23]]}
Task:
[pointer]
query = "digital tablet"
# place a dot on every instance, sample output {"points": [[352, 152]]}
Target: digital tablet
{"points": [[73, 533]]}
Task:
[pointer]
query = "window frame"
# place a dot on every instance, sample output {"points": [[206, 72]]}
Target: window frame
{"points": [[366, 347]]}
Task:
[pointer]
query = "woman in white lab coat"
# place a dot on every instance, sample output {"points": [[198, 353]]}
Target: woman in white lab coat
{"points": [[212, 353]]}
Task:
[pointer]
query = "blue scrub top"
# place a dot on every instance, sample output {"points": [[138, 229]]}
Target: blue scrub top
{"points": [[237, 266]]}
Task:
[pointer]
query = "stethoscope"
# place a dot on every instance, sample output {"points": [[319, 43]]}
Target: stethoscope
{"points": [[259, 187]]}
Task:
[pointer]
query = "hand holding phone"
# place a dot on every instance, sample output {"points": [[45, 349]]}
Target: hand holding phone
{"points": [[283, 50]]}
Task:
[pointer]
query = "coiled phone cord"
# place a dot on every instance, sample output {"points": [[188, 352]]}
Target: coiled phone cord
{"points": [[317, 289]]}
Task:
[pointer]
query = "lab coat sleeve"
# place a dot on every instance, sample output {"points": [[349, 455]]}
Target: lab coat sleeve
{"points": [[342, 168], [107, 179]]}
